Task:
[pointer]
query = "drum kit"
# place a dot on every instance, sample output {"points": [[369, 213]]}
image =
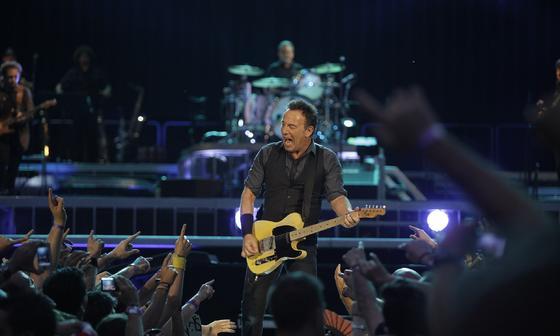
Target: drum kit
{"points": [[254, 107]]}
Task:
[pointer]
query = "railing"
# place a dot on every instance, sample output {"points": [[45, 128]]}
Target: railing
{"points": [[209, 216], [506, 145]]}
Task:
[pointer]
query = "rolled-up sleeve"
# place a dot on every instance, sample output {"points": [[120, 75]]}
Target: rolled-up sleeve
{"points": [[334, 186], [255, 177]]}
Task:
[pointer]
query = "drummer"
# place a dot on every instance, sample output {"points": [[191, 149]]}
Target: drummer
{"points": [[285, 67]]}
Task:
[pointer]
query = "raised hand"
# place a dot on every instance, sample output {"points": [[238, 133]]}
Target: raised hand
{"points": [[141, 265], [167, 274], [127, 292], [182, 244], [221, 326], [6, 242], [206, 291], [56, 205], [422, 235], [125, 249], [94, 245], [374, 270], [418, 251], [25, 259], [342, 289], [405, 120], [354, 256]]}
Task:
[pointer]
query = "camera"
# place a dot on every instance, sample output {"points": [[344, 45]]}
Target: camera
{"points": [[108, 285], [43, 255]]}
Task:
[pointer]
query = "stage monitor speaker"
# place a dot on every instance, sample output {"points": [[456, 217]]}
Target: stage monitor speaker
{"points": [[191, 188]]}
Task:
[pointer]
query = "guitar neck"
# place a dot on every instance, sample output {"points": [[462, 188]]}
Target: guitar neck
{"points": [[312, 229]]}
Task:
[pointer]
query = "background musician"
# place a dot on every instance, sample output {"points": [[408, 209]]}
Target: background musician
{"points": [[285, 67], [16, 102]]}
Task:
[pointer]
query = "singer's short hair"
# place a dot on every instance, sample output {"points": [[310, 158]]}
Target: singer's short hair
{"points": [[308, 110], [10, 65]]}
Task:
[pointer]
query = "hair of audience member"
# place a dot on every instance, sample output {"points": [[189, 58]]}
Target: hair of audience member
{"points": [[405, 308], [297, 302], [19, 282], [112, 325], [29, 314], [99, 305], [67, 288]]}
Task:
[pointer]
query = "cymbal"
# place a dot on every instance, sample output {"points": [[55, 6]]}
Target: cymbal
{"points": [[245, 70], [328, 68], [271, 83]]}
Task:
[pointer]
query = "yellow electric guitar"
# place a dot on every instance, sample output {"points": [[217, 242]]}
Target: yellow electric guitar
{"points": [[278, 241]]}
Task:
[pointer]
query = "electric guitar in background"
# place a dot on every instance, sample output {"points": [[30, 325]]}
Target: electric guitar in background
{"points": [[278, 241], [10, 124]]}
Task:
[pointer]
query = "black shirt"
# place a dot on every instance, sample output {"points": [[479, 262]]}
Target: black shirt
{"points": [[333, 170], [87, 83], [277, 69]]}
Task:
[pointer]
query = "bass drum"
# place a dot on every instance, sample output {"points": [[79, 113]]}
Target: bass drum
{"points": [[308, 84], [276, 112]]}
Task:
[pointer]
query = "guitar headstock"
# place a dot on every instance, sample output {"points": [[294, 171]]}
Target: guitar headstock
{"points": [[372, 211], [48, 104]]}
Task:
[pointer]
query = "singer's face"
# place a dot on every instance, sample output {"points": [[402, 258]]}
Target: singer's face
{"points": [[558, 74]]}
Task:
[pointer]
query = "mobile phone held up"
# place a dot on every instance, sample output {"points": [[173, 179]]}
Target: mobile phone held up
{"points": [[108, 285], [43, 256]]}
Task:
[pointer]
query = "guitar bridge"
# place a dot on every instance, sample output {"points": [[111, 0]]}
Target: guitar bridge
{"points": [[267, 244], [267, 259]]}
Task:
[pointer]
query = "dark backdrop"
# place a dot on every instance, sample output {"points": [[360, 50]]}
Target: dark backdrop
{"points": [[478, 60]]}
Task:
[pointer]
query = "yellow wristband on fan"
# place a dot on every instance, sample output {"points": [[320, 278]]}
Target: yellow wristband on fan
{"points": [[178, 262]]}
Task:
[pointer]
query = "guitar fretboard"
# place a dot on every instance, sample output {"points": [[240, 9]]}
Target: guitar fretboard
{"points": [[307, 231]]}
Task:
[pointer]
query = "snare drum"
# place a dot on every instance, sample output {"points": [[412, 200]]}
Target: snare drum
{"points": [[308, 84]]}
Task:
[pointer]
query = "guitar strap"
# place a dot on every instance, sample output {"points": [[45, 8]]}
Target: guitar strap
{"points": [[310, 182]]}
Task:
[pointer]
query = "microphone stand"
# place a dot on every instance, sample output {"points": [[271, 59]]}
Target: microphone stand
{"points": [[45, 151]]}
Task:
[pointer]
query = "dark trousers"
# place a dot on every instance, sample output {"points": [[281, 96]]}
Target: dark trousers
{"points": [[255, 290], [10, 157]]}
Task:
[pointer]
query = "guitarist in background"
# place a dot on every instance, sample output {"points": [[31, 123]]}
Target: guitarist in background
{"points": [[15, 104], [296, 173]]}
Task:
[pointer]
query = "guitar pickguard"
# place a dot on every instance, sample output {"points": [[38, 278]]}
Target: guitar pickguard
{"points": [[283, 244]]}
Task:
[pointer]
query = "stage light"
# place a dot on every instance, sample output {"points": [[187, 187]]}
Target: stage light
{"points": [[46, 151], [140, 118], [348, 122], [253, 141], [249, 134], [240, 123], [437, 220]]}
